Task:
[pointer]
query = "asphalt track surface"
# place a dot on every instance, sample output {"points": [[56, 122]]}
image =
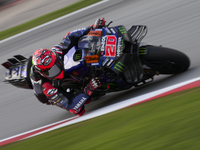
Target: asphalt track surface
{"points": [[173, 24]]}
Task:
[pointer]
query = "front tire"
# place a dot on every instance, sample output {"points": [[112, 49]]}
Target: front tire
{"points": [[166, 60]]}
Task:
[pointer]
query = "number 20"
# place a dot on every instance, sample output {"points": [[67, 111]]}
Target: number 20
{"points": [[110, 46]]}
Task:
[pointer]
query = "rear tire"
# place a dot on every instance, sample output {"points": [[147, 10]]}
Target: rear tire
{"points": [[165, 60]]}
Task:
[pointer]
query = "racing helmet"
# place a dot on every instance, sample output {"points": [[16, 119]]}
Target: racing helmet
{"points": [[47, 63]]}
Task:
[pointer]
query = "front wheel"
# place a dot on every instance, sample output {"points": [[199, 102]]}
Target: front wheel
{"points": [[165, 60]]}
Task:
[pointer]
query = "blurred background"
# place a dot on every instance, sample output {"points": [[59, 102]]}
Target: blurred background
{"points": [[16, 12], [6, 2]]}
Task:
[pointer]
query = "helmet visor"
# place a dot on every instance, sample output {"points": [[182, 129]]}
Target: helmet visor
{"points": [[54, 71]]}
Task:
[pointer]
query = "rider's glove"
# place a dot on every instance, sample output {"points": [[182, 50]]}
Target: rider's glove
{"points": [[92, 85], [99, 23]]}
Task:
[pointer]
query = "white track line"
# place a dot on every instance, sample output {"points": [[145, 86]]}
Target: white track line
{"points": [[98, 112]]}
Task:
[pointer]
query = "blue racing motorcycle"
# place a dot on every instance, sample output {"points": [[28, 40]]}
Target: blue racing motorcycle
{"points": [[115, 54]]}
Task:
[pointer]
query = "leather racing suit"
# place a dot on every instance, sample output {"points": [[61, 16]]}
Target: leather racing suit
{"points": [[48, 91]]}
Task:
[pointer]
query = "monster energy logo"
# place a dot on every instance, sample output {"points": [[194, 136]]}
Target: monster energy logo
{"points": [[142, 51], [120, 46], [122, 30], [119, 66], [77, 57]]}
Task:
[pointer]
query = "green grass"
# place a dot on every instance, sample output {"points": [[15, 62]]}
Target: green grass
{"points": [[43, 19], [167, 123]]}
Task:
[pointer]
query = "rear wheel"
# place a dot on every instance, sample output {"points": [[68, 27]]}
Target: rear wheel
{"points": [[165, 60]]}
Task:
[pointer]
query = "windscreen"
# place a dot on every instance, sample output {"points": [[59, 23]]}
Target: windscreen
{"points": [[91, 43]]}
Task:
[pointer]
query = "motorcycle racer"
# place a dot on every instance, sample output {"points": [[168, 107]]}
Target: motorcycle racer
{"points": [[47, 73]]}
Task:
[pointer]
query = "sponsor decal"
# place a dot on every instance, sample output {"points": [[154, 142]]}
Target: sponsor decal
{"points": [[103, 43], [95, 33], [52, 91], [46, 60], [105, 61], [107, 30], [58, 100], [44, 57], [122, 30], [92, 59], [119, 66], [113, 30], [102, 53], [54, 97], [83, 99], [142, 51], [95, 64], [110, 62], [77, 57], [119, 46]]}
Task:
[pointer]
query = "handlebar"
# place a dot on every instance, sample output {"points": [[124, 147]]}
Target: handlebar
{"points": [[109, 24]]}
